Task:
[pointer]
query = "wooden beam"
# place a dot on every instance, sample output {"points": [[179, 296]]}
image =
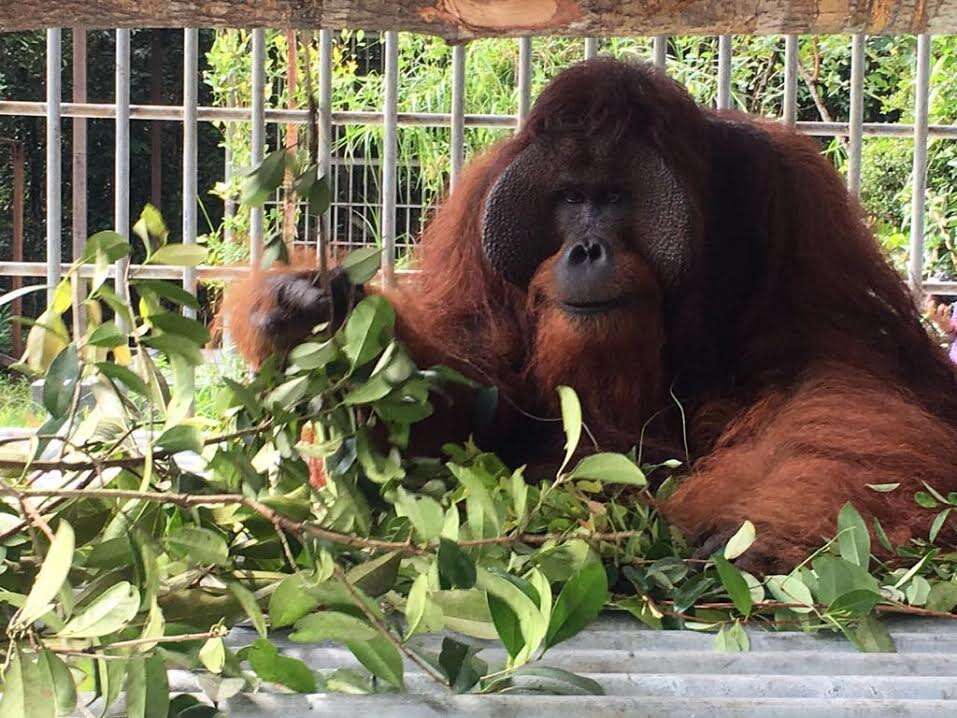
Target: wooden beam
{"points": [[465, 19]]}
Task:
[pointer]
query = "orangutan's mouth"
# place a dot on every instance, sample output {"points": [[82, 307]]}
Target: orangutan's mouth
{"points": [[587, 308]]}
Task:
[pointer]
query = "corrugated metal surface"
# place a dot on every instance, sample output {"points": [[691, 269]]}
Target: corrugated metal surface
{"points": [[652, 673]]}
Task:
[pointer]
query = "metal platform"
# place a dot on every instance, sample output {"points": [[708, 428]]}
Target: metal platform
{"points": [[661, 673]]}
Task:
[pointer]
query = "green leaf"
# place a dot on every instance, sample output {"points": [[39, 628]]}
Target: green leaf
{"points": [[362, 264], [263, 180], [883, 488], [167, 290], [507, 624], [108, 613], [571, 421], [424, 513], [179, 255], [732, 639], [381, 658], [331, 626], [836, 576], [8, 297], [791, 589], [173, 345], [740, 542], [251, 606], [610, 469], [124, 375], [853, 540], [197, 545], [368, 329], [938, 524], [292, 599], [270, 666], [181, 438], [147, 688], [64, 687], [107, 335], [377, 576], [110, 245], [60, 383], [858, 602], [213, 654], [151, 228], [942, 597], [562, 680], [459, 664], [733, 583], [466, 612], [175, 323], [28, 691], [871, 636], [50, 578], [578, 604], [456, 569], [925, 500]]}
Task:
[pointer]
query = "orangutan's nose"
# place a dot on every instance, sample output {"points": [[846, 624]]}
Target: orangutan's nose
{"points": [[585, 271]]}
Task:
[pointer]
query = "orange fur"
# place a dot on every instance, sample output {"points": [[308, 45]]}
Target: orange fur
{"points": [[795, 351]]}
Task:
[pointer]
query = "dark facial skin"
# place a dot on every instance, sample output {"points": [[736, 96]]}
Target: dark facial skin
{"points": [[589, 207]]}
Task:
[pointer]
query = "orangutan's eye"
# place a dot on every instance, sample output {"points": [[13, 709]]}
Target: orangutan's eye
{"points": [[573, 196], [613, 197]]}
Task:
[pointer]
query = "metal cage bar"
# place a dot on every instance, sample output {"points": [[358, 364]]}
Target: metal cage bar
{"points": [[856, 118], [325, 133], [457, 139], [919, 186], [258, 112], [53, 151], [660, 51], [592, 45], [389, 159], [789, 110], [190, 145], [121, 188], [524, 78], [724, 72]]}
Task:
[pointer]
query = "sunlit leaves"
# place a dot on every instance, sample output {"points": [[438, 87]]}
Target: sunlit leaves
{"points": [[179, 255], [52, 574], [362, 264], [734, 583], [740, 542], [610, 469], [197, 545], [60, 384], [331, 626], [853, 539], [109, 612], [732, 639], [571, 421]]}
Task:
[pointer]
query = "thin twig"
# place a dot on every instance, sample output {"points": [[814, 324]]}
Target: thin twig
{"points": [[383, 629], [896, 608]]}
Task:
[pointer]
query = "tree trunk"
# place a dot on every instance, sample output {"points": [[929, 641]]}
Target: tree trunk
{"points": [[465, 19]]}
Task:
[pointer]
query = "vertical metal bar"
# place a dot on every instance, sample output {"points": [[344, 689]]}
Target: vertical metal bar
{"points": [[591, 47], [660, 51], [190, 133], [156, 126], [856, 119], [724, 72], [524, 77], [389, 157], [78, 183], [790, 79], [53, 162], [258, 140], [922, 89], [19, 194], [325, 134], [121, 165], [458, 111]]}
